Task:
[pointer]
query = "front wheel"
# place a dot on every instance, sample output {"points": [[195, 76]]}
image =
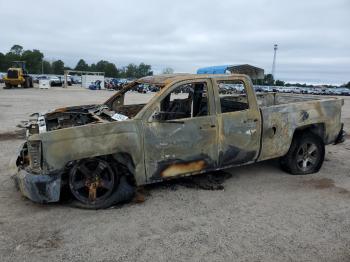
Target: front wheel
{"points": [[26, 83], [305, 156], [96, 184]]}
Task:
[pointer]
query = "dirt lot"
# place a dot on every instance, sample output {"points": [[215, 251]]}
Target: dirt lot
{"points": [[263, 214]]}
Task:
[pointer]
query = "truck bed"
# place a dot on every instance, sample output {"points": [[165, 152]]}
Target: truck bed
{"points": [[283, 114], [272, 99]]}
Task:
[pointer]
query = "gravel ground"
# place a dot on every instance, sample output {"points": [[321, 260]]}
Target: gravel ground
{"points": [[263, 214]]}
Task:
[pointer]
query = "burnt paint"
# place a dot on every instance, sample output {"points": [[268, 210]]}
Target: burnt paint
{"points": [[304, 115], [39, 188], [192, 165], [235, 156]]}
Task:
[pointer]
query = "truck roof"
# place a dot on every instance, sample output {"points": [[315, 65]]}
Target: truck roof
{"points": [[163, 80]]}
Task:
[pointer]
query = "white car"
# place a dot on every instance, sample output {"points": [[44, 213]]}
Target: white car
{"points": [[55, 81]]}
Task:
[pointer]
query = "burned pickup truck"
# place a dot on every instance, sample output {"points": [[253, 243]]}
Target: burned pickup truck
{"points": [[194, 124]]}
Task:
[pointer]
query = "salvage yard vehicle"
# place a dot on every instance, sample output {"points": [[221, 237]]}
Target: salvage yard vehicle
{"points": [[101, 153], [17, 75]]}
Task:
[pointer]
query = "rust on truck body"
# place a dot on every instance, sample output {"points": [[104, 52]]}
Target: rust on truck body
{"points": [[159, 150]]}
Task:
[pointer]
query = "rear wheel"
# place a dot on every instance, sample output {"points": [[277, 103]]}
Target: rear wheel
{"points": [[97, 184], [305, 156]]}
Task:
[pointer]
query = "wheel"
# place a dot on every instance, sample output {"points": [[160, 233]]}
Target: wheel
{"points": [[305, 156], [97, 184], [26, 83], [7, 86]]}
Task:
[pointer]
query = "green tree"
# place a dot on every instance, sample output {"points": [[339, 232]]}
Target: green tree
{"points": [[33, 60], [144, 70], [16, 50], [9, 58], [347, 85], [279, 83], [100, 65], [111, 70], [93, 67], [2, 63], [108, 68], [82, 66], [131, 71], [122, 72], [46, 66], [58, 67]]}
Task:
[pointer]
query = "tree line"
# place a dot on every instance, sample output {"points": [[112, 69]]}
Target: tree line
{"points": [[36, 64]]}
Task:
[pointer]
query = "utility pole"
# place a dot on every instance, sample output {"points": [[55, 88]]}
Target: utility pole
{"points": [[275, 47], [42, 66]]}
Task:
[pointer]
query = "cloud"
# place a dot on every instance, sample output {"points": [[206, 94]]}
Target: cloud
{"points": [[313, 36]]}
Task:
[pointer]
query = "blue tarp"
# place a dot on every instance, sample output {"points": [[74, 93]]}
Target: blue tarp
{"points": [[213, 69]]}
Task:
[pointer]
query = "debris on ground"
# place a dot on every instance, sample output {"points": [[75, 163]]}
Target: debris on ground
{"points": [[212, 181]]}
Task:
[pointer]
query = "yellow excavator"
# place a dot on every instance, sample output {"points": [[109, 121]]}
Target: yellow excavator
{"points": [[17, 75]]}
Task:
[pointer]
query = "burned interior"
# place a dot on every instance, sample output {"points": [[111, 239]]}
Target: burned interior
{"points": [[87, 114], [185, 101]]}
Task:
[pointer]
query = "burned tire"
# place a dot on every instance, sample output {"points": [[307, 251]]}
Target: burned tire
{"points": [[305, 156], [97, 184]]}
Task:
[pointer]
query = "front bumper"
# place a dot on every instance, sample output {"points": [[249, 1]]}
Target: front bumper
{"points": [[13, 81], [38, 188]]}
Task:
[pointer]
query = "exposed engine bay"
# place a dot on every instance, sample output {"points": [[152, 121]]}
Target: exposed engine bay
{"points": [[80, 115]]}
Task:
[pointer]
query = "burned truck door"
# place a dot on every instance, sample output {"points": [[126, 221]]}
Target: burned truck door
{"points": [[239, 121], [180, 132]]}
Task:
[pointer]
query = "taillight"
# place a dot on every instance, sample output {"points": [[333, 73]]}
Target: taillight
{"points": [[34, 150]]}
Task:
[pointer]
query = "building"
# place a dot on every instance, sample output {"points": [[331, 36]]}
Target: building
{"points": [[255, 73]]}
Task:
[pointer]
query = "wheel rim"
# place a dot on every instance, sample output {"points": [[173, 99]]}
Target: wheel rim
{"points": [[92, 181], [308, 156]]}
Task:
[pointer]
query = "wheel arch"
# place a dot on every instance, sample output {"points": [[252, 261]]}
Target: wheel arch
{"points": [[317, 129]]}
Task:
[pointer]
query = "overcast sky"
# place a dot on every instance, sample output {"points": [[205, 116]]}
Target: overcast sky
{"points": [[313, 35]]}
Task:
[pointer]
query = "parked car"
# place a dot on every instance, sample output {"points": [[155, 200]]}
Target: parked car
{"points": [[343, 91], [101, 153], [36, 79], [55, 81], [75, 79]]}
